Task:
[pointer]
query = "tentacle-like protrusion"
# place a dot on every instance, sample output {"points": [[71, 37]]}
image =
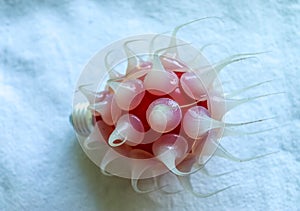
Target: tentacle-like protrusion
{"points": [[129, 128], [108, 109], [138, 169], [94, 141], [168, 149], [209, 73], [230, 132], [205, 172], [222, 152], [160, 81], [208, 45], [167, 192], [134, 184], [109, 156], [176, 29], [232, 103], [91, 144], [169, 183], [186, 183], [151, 45], [239, 91], [133, 60], [91, 95], [170, 161], [113, 74], [197, 122], [229, 104], [138, 74], [247, 123], [150, 136], [199, 62], [234, 58], [169, 50]]}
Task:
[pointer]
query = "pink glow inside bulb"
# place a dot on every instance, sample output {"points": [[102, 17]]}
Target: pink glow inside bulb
{"points": [[162, 114]]}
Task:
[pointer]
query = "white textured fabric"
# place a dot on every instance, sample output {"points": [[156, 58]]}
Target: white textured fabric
{"points": [[43, 48]]}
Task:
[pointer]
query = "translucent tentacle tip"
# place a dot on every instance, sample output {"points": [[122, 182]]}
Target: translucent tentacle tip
{"points": [[159, 96]]}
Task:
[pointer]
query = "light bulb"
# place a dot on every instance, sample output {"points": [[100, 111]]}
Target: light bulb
{"points": [[160, 110]]}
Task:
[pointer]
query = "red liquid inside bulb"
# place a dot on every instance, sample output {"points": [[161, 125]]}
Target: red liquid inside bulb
{"points": [[140, 111]]}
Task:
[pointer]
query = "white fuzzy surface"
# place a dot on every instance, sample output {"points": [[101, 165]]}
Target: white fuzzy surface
{"points": [[45, 44]]}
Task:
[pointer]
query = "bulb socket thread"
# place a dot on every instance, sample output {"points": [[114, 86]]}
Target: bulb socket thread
{"points": [[82, 119]]}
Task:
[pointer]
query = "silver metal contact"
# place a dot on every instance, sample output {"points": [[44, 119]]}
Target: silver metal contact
{"points": [[82, 119]]}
